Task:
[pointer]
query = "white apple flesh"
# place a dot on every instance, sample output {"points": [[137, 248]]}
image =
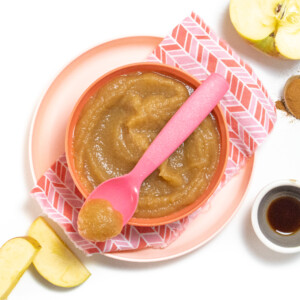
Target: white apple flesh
{"points": [[55, 261], [272, 26], [15, 257]]}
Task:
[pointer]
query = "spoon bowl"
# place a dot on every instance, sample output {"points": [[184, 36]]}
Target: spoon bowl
{"points": [[121, 192]]}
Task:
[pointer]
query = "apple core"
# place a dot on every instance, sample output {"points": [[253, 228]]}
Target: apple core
{"points": [[272, 26]]}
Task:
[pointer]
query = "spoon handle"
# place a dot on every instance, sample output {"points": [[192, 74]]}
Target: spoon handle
{"points": [[193, 111]]}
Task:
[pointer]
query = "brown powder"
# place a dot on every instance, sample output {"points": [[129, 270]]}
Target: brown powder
{"points": [[292, 97], [280, 105]]}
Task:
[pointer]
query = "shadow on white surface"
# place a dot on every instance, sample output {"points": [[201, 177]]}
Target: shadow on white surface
{"points": [[259, 250], [31, 207], [42, 281]]}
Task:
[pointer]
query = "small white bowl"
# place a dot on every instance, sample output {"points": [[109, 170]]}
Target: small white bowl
{"points": [[277, 242]]}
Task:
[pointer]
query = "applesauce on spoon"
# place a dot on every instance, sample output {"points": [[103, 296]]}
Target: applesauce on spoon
{"points": [[98, 221], [121, 120]]}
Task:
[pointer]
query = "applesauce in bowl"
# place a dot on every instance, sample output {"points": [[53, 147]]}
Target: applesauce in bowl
{"points": [[114, 123]]}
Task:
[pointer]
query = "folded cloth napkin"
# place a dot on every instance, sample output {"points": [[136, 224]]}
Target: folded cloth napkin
{"points": [[249, 112]]}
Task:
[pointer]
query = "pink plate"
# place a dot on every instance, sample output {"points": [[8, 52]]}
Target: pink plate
{"points": [[48, 134]]}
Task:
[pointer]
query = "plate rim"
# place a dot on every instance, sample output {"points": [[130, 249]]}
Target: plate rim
{"points": [[249, 162]]}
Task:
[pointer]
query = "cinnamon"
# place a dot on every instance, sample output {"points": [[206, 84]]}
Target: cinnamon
{"points": [[292, 96], [280, 105]]}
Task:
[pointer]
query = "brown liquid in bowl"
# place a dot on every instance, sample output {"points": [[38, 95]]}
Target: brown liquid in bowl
{"points": [[284, 215], [118, 124]]}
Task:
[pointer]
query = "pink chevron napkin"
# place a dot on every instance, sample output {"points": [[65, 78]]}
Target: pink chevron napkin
{"points": [[250, 115]]}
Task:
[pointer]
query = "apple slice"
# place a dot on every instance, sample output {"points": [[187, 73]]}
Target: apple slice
{"points": [[15, 257], [272, 26], [55, 261]]}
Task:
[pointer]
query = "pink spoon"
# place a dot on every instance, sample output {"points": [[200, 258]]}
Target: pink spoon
{"points": [[123, 192]]}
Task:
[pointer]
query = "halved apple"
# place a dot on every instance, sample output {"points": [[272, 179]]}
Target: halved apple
{"points": [[15, 257], [272, 26], [55, 261]]}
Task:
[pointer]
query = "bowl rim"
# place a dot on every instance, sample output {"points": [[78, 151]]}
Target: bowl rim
{"points": [[255, 219], [183, 77]]}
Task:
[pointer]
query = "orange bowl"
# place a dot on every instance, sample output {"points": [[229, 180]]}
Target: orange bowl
{"points": [[174, 73]]}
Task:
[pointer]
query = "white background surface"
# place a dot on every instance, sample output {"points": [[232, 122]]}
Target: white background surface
{"points": [[38, 39]]}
